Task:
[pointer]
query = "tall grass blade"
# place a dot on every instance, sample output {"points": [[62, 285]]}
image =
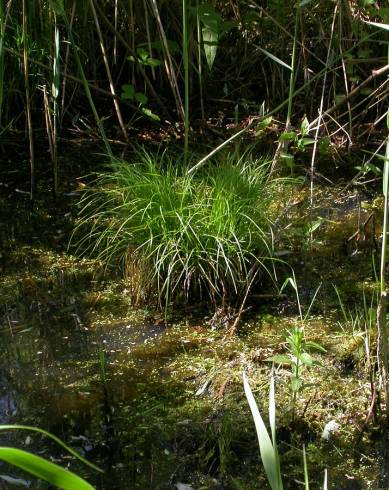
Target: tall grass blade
{"points": [[185, 44], [54, 438], [274, 58], [269, 452], [325, 484], [43, 469], [306, 476], [28, 99]]}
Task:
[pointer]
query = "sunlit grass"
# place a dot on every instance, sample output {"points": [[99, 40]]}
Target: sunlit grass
{"points": [[200, 234]]}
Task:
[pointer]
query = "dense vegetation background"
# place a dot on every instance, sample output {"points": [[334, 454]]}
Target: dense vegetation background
{"points": [[107, 70], [209, 131]]}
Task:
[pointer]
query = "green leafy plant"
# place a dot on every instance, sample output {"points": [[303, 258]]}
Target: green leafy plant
{"points": [[42, 468], [144, 58], [298, 141], [298, 347], [298, 357], [268, 445], [129, 93], [213, 29]]}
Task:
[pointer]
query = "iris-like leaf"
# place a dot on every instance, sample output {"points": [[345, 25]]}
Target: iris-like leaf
{"points": [[269, 452], [43, 469]]}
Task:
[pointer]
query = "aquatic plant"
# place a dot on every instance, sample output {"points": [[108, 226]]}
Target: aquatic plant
{"points": [[298, 358], [204, 234], [268, 446], [297, 347], [42, 468]]}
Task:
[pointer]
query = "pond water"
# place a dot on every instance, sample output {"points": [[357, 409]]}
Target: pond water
{"points": [[74, 358], [157, 405], [82, 384]]}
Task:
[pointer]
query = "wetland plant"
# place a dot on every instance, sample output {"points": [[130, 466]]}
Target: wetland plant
{"points": [[42, 468], [268, 445], [298, 358], [298, 347], [203, 234]]}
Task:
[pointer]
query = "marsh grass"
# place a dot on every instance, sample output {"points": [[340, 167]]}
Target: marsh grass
{"points": [[183, 235]]}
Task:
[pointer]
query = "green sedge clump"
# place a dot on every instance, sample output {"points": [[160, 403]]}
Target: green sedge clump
{"points": [[180, 234]]}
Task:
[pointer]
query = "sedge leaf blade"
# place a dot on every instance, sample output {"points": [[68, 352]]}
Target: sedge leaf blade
{"points": [[269, 459], [43, 469]]}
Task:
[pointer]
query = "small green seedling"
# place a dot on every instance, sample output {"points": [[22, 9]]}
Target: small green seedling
{"points": [[298, 358], [297, 347]]}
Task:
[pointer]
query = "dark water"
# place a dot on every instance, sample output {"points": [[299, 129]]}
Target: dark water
{"points": [[84, 385], [70, 361]]}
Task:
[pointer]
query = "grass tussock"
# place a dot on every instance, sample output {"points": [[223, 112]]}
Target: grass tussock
{"points": [[177, 234]]}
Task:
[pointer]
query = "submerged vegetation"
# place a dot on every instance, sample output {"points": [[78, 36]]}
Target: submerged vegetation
{"points": [[241, 151]]}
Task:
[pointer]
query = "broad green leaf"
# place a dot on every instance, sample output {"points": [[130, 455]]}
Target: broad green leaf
{"points": [[324, 144], [279, 359], [296, 384], [304, 128], [314, 345], [152, 62], [306, 359], [288, 136], [141, 98], [264, 123], [209, 17], [268, 452], [43, 469], [142, 53], [313, 226], [370, 167], [210, 40], [307, 141], [54, 438], [128, 92]]}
